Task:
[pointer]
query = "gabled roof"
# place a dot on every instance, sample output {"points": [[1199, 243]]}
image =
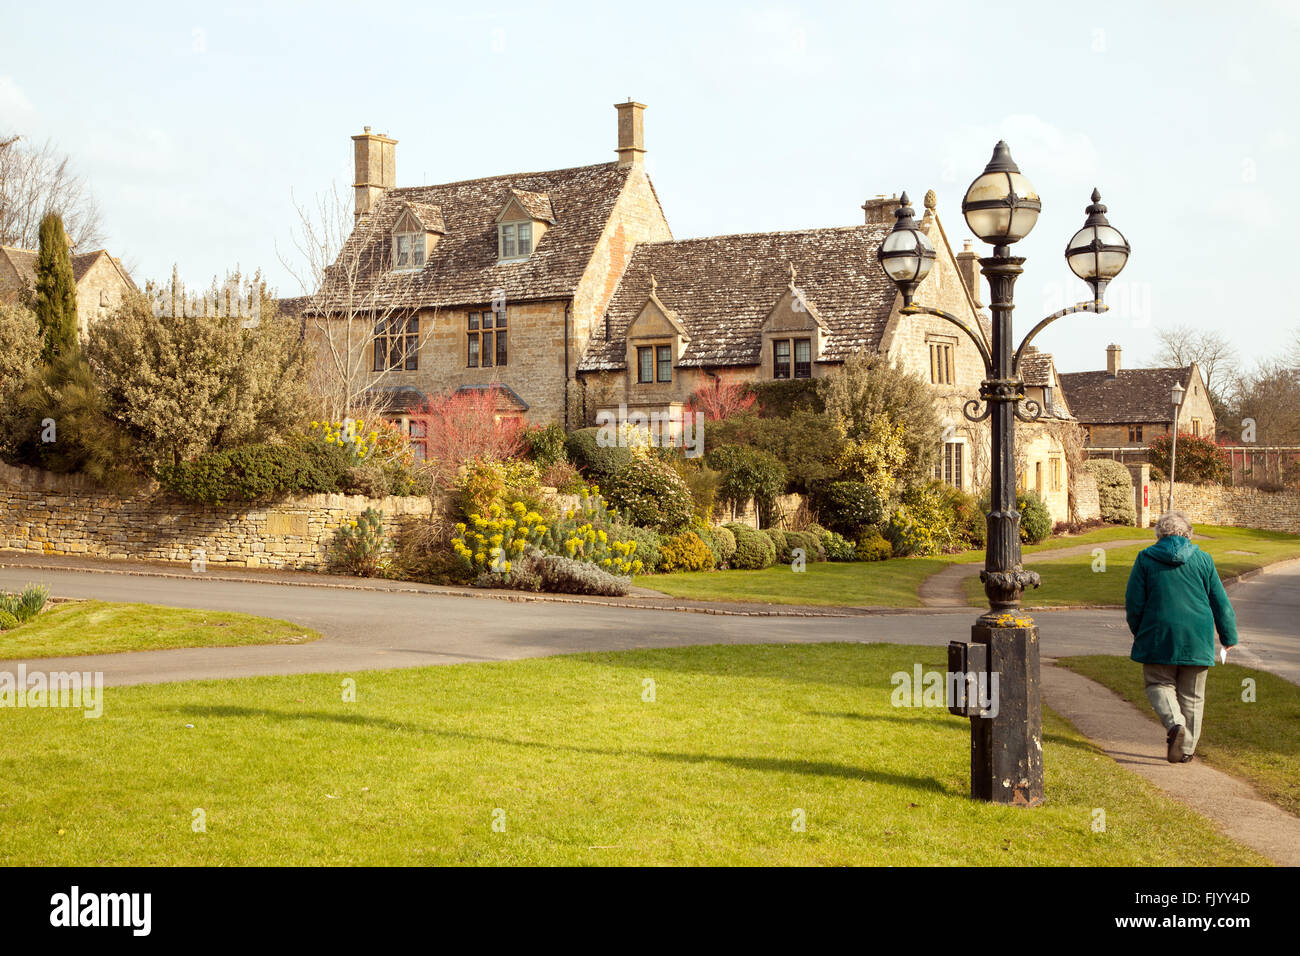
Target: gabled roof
{"points": [[507, 398], [536, 205], [1036, 367], [427, 215], [722, 288], [24, 263], [462, 269], [1133, 396]]}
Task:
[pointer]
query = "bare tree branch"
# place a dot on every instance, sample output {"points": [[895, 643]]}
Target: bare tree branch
{"points": [[34, 181], [1210, 349]]}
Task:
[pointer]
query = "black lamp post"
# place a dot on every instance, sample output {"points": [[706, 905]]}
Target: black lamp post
{"points": [[1001, 208]]}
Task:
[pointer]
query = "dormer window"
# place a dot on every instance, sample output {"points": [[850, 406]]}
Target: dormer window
{"points": [[415, 232], [514, 240], [408, 250]]}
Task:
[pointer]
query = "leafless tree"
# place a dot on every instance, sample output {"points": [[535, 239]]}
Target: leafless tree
{"points": [[1181, 345], [343, 269], [36, 180]]}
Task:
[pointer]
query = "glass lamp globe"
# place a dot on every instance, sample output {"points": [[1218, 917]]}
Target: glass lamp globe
{"points": [[906, 255], [1001, 206], [1097, 252]]}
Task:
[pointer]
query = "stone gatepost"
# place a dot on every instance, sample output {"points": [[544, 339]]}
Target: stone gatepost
{"points": [[1145, 501]]}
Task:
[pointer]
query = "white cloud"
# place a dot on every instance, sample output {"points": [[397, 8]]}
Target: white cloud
{"points": [[16, 110]]}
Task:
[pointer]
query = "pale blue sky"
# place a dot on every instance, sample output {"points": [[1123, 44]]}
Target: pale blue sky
{"points": [[195, 122]]}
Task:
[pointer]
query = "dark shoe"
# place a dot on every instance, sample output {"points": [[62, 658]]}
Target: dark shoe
{"points": [[1175, 740], [1187, 758]]}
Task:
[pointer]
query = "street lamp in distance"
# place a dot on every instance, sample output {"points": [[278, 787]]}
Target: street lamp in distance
{"points": [[1176, 400]]}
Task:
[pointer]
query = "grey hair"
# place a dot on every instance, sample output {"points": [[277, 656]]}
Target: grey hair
{"points": [[1173, 522]]}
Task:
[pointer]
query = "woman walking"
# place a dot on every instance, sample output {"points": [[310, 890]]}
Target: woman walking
{"points": [[1175, 603]]}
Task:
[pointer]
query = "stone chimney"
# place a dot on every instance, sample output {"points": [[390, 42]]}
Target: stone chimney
{"points": [[1112, 360], [631, 133], [968, 264], [880, 211], [375, 161]]}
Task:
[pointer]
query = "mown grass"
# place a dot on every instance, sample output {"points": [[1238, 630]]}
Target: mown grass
{"points": [[577, 763], [1072, 580], [1256, 740], [100, 627], [891, 583]]}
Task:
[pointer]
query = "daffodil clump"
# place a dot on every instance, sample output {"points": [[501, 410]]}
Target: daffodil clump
{"points": [[489, 542]]}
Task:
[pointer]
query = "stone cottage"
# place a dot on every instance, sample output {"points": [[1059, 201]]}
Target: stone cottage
{"points": [[102, 281], [567, 290], [1121, 409]]}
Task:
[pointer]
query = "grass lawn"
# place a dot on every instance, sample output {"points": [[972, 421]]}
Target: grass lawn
{"points": [[1257, 741], [573, 764], [1072, 580], [99, 627], [891, 583]]}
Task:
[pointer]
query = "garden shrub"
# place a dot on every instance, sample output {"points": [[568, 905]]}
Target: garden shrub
{"points": [[703, 483], [780, 544], [651, 494], [256, 472], [7, 621], [685, 551], [839, 548], [810, 542], [1200, 460], [1114, 490], [726, 542], [567, 576], [545, 445], [754, 550], [873, 547], [705, 533], [1035, 519], [648, 544], [849, 507], [748, 473], [563, 477], [366, 479], [492, 540], [358, 545], [598, 464], [923, 523]]}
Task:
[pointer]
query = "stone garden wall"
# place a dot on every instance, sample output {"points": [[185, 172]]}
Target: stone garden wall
{"points": [[1226, 505], [56, 514]]}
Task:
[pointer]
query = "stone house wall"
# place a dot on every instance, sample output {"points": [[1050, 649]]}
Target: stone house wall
{"points": [[52, 514]]}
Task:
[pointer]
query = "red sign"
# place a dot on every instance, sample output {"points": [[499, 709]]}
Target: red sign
{"points": [[1146, 496]]}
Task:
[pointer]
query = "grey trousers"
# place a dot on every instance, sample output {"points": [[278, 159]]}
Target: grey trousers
{"points": [[1178, 695]]}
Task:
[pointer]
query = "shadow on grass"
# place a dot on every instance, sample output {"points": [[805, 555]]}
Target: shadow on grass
{"points": [[817, 768]]}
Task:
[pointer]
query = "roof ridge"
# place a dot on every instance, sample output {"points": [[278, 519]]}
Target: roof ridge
{"points": [[483, 179], [812, 230]]}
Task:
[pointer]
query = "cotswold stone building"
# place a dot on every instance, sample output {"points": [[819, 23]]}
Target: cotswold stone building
{"points": [[1121, 409], [102, 282], [567, 289]]}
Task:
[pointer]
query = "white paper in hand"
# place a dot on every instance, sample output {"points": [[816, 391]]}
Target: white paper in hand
{"points": [[1223, 655]]}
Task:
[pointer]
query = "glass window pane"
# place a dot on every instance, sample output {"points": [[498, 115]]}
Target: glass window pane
{"points": [[417, 250], [501, 348], [473, 320], [525, 238], [501, 319], [645, 370], [473, 350], [487, 320], [665, 363], [486, 356], [507, 242]]}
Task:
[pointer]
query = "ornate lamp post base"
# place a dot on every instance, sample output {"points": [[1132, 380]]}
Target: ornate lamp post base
{"points": [[1006, 743]]}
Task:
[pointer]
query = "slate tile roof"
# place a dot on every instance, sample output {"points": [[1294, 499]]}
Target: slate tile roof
{"points": [[1134, 396], [429, 215], [1036, 367], [462, 269], [722, 287], [537, 205]]}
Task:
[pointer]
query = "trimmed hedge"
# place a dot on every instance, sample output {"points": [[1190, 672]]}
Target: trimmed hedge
{"points": [[810, 542], [652, 494], [873, 547], [849, 507], [255, 472], [754, 550], [1035, 519], [685, 551], [780, 543], [1114, 490], [597, 463]]}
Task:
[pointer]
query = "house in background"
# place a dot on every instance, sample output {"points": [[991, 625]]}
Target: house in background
{"points": [[1121, 409], [1044, 468], [567, 290], [102, 281]]}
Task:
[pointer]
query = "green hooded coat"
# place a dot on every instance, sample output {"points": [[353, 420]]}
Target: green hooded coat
{"points": [[1175, 603]]}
